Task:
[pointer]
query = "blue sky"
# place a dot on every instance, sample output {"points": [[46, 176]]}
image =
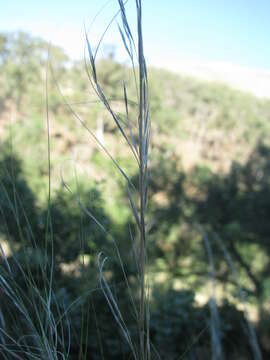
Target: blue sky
{"points": [[235, 32]]}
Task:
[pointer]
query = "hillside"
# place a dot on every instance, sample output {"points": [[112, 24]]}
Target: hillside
{"points": [[199, 121], [209, 167]]}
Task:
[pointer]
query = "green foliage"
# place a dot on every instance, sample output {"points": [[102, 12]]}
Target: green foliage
{"points": [[230, 203]]}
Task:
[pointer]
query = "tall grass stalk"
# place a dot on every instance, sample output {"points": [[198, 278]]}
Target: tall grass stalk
{"points": [[257, 355], [38, 331], [215, 328], [140, 150], [214, 320]]}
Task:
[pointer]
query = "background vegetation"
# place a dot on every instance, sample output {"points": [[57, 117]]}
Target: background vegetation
{"points": [[210, 171]]}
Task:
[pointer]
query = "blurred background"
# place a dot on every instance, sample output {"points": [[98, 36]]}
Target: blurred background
{"points": [[209, 195]]}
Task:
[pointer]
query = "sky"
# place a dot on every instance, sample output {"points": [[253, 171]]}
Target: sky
{"points": [[226, 31]]}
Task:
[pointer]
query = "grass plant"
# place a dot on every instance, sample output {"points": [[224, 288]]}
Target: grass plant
{"points": [[137, 136], [46, 330]]}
